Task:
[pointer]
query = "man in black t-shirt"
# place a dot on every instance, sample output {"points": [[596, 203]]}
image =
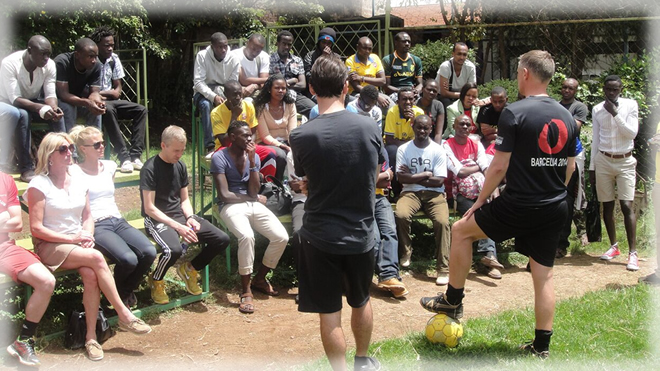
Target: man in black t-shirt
{"points": [[168, 216], [79, 83], [489, 115], [535, 149], [576, 197], [339, 153]]}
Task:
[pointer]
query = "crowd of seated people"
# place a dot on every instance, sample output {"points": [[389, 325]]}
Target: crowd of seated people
{"points": [[438, 140]]}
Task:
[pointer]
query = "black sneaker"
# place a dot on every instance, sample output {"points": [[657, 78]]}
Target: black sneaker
{"points": [[366, 364], [438, 304], [529, 348], [24, 350]]}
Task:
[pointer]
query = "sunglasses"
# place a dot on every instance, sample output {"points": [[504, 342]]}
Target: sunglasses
{"points": [[96, 145], [63, 148]]}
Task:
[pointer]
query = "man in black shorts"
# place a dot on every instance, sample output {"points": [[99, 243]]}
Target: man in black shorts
{"points": [[339, 153], [535, 149]]}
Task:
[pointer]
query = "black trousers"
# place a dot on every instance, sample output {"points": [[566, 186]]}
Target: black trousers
{"points": [[116, 110]]}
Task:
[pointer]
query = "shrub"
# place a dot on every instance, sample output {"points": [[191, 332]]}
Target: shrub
{"points": [[511, 87]]}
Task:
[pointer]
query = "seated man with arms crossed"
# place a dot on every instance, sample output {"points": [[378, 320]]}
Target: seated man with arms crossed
{"points": [[398, 127], [235, 171], [489, 115], [366, 69], [468, 162], [421, 166]]}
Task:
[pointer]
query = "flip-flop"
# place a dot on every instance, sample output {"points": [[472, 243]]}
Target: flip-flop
{"points": [[268, 290], [246, 306]]}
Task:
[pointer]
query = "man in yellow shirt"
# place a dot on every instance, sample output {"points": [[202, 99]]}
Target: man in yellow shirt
{"points": [[364, 68], [398, 126], [235, 108]]}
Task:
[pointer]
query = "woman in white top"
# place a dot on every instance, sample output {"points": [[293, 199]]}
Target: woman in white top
{"points": [[63, 235], [277, 116], [129, 249]]}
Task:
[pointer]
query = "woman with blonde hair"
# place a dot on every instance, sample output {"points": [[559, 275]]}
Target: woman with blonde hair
{"points": [[129, 249], [63, 235]]}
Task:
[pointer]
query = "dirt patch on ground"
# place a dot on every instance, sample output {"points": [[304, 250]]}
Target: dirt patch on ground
{"points": [[277, 336], [215, 335]]}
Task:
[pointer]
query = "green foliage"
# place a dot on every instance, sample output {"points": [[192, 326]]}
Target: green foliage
{"points": [[511, 87], [433, 53]]}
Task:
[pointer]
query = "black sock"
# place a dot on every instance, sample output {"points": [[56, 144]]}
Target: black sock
{"points": [[27, 330], [542, 340], [454, 295]]}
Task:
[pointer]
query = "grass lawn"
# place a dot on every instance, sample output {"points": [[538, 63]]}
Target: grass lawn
{"points": [[612, 329]]}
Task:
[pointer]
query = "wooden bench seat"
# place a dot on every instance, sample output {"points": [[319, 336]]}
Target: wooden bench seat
{"points": [[6, 282]]}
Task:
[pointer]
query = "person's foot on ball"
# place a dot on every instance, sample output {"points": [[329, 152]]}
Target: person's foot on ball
{"points": [[439, 304]]}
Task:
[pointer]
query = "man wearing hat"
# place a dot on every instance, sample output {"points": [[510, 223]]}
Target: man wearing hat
{"points": [[324, 43]]}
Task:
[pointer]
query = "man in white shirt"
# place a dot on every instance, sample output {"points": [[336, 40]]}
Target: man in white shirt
{"points": [[615, 126], [24, 76], [455, 73], [214, 66], [116, 108], [255, 64], [421, 167]]}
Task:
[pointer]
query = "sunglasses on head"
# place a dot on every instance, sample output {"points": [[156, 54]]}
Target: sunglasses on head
{"points": [[96, 145], [63, 148]]}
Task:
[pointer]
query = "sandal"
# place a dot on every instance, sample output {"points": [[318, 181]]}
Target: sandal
{"points": [[265, 288], [246, 306]]}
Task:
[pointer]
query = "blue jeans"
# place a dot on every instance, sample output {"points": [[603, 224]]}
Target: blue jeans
{"points": [[128, 248], [204, 106], [485, 245], [15, 123], [71, 115], [387, 251]]}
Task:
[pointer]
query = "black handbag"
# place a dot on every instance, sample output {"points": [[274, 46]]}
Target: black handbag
{"points": [[77, 330], [278, 196], [592, 216]]}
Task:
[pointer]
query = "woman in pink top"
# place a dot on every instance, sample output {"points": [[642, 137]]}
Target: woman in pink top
{"points": [[276, 112]]}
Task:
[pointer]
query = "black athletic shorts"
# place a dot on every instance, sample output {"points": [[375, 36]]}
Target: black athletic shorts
{"points": [[536, 229], [323, 277]]}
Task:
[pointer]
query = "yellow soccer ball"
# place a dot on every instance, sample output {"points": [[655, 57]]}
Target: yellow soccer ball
{"points": [[442, 329]]}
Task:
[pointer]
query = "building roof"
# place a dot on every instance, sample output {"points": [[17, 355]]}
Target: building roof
{"points": [[421, 15]]}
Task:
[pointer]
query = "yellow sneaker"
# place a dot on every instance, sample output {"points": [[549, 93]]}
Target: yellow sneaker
{"points": [[190, 277], [158, 294]]}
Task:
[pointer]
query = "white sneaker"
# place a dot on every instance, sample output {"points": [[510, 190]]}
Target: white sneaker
{"points": [[443, 279], [137, 164], [126, 167], [633, 262]]}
